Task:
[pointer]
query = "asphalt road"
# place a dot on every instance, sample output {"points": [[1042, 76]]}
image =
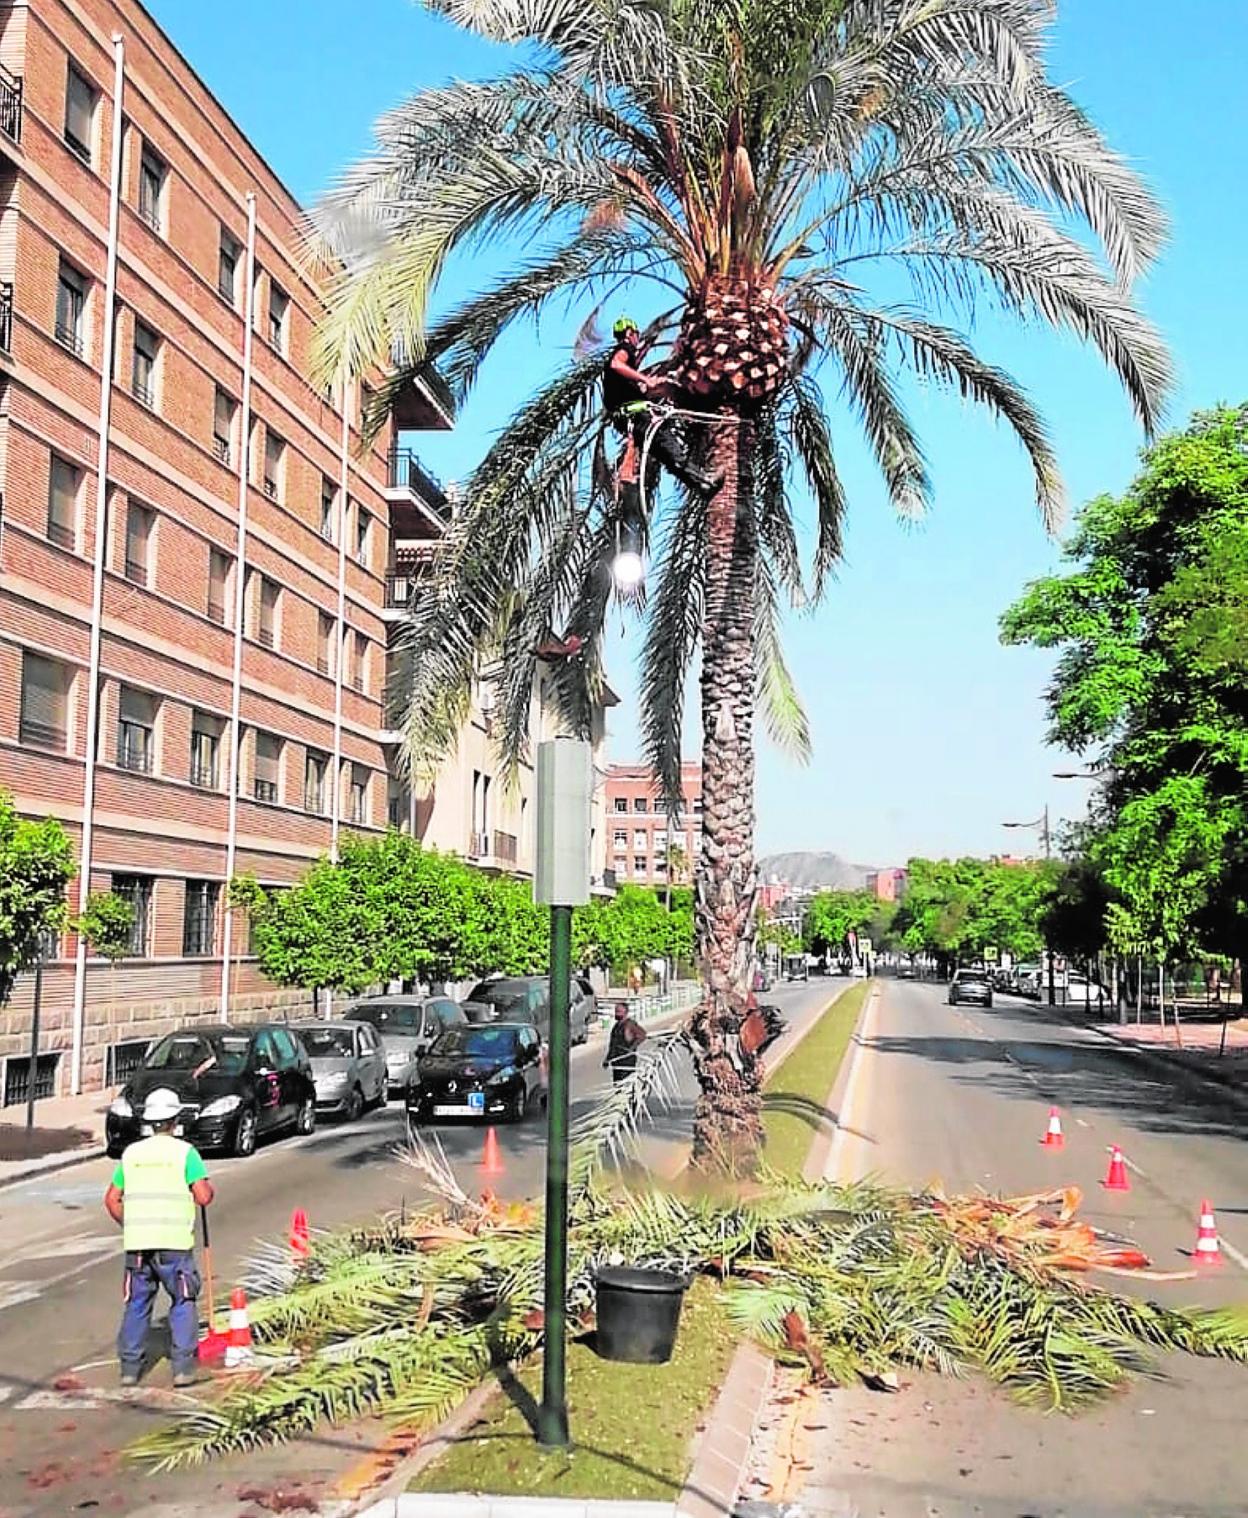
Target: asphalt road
{"points": [[961, 1094], [60, 1293]]}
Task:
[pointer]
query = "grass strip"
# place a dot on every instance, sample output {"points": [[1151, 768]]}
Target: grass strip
{"points": [[796, 1092], [632, 1425]]}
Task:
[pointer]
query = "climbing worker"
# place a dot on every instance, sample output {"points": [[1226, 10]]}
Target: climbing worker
{"points": [[153, 1196], [627, 393]]}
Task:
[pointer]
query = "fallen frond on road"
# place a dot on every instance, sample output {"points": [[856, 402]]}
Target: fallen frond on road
{"points": [[406, 1317]]}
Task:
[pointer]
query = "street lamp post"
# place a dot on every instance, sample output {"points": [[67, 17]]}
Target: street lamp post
{"points": [[1046, 839]]}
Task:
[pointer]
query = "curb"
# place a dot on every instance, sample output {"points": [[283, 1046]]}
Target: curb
{"points": [[458, 1505], [819, 1155], [719, 1464]]}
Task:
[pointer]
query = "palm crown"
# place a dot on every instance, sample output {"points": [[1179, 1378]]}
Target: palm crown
{"points": [[761, 164]]}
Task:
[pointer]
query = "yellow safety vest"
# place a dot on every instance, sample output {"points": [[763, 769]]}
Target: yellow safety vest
{"points": [[159, 1210]]}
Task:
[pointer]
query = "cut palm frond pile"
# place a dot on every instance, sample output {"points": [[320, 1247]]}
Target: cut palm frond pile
{"points": [[406, 1317]]}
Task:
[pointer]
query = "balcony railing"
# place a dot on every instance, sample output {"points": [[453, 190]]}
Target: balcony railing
{"points": [[204, 774], [506, 847], [10, 105], [69, 335], [6, 316], [264, 790], [221, 447], [134, 750], [270, 489], [144, 392], [406, 472], [401, 589]]}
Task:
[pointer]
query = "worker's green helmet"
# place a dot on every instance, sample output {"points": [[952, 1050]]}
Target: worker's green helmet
{"points": [[624, 325]]}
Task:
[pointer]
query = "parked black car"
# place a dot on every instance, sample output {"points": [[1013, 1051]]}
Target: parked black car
{"points": [[526, 999], [486, 1070], [236, 1085], [970, 986]]}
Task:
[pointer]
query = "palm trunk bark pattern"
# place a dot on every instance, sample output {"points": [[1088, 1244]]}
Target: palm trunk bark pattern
{"points": [[727, 1130]]}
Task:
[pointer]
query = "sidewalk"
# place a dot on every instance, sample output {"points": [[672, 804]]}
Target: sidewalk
{"points": [[67, 1131], [1198, 1056]]}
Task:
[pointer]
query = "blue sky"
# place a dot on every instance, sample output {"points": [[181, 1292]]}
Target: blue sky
{"points": [[928, 734]]}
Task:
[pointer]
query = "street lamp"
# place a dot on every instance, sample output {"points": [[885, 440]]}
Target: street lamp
{"points": [[1046, 838]]}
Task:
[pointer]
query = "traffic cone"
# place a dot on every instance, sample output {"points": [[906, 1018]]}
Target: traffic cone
{"points": [[492, 1159], [1116, 1177], [238, 1349], [299, 1240], [1053, 1138], [1208, 1250]]}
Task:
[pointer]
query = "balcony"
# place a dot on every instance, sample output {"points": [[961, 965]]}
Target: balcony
{"points": [[6, 316], [10, 105], [506, 847], [401, 589], [406, 473], [493, 849]]}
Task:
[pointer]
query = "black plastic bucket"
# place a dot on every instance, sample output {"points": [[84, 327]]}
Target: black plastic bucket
{"points": [[638, 1314]]}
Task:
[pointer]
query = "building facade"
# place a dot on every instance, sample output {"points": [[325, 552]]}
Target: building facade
{"points": [[199, 569], [644, 839], [887, 885]]}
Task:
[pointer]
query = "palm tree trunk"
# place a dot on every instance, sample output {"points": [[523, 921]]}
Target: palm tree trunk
{"points": [[727, 1129]]}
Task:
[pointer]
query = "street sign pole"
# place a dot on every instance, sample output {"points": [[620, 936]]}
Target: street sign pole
{"points": [[33, 1076], [561, 881]]}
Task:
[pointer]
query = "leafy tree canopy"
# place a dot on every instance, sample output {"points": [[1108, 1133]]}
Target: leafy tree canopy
{"points": [[831, 915], [36, 866], [107, 924], [960, 907]]}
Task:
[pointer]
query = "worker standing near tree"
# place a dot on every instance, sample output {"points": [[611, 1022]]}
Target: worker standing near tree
{"points": [[627, 1036], [156, 1187], [627, 394]]}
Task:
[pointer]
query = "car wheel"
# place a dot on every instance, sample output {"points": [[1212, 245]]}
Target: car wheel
{"points": [[355, 1105], [305, 1123], [245, 1133]]}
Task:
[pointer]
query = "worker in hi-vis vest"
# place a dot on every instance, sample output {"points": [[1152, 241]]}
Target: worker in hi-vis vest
{"points": [[155, 1189]]}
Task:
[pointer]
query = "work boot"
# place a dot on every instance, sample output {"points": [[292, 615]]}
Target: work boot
{"points": [[184, 1378], [129, 1378]]}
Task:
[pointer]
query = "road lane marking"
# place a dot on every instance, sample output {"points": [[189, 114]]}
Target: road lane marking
{"points": [[862, 1038]]}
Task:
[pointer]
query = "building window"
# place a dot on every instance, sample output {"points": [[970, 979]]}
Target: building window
{"points": [[17, 1078], [218, 586], [314, 768], [136, 890], [267, 612], [140, 532], [398, 805], [362, 523], [621, 803], [136, 731], [224, 413], [329, 503], [81, 97], [266, 786], [639, 865], [660, 841], [206, 733], [274, 462], [359, 794], [621, 838], [359, 661], [325, 625], [143, 372], [64, 491], [44, 720], [640, 840], [71, 309], [640, 804], [279, 313], [679, 841], [199, 917], [153, 174], [228, 259]]}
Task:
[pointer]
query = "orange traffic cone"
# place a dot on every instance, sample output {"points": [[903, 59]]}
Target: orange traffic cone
{"points": [[299, 1241], [1208, 1250], [1053, 1138], [238, 1347], [1116, 1177], [492, 1159]]}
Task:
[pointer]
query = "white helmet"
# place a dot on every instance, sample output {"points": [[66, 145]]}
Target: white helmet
{"points": [[162, 1105]]}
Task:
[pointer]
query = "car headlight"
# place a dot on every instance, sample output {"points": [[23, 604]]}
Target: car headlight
{"points": [[508, 1072], [222, 1107], [121, 1106]]}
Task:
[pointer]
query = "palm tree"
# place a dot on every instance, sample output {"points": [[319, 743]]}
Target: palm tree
{"points": [[760, 164]]}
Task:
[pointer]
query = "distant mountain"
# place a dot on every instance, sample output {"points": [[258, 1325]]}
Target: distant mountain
{"points": [[806, 870]]}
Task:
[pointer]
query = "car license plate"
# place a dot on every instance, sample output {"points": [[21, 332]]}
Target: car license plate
{"points": [[443, 1110]]}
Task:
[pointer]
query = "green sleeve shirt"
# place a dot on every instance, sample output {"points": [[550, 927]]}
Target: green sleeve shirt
{"points": [[195, 1169]]}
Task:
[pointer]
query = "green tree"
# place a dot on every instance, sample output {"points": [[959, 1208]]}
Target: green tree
{"points": [[107, 924], [1150, 683], [832, 915], [36, 866], [957, 908], [764, 162]]}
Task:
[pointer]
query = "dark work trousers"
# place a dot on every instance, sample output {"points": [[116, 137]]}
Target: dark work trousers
{"points": [[668, 446], [146, 1273]]}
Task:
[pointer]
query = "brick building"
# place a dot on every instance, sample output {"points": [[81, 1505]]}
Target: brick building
{"points": [[641, 832], [887, 885], [198, 540]]}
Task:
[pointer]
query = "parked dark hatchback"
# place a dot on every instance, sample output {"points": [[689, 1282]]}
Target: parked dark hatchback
{"points": [[970, 986], [236, 1085], [486, 1070]]}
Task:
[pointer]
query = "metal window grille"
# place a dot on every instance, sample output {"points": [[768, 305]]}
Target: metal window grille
{"points": [[136, 571], [265, 790], [134, 748], [204, 760], [123, 1059], [10, 105], [144, 392], [264, 636], [221, 447], [137, 890], [6, 315], [199, 921], [17, 1078], [69, 335]]}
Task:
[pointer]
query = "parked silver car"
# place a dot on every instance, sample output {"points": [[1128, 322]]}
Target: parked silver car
{"points": [[526, 999], [348, 1066], [407, 1025]]}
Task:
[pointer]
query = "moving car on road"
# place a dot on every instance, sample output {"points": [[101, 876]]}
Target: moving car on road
{"points": [[236, 1085], [526, 999], [408, 1025], [970, 986], [348, 1066], [479, 1071]]}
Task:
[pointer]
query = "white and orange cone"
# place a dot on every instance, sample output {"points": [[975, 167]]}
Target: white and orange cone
{"points": [[1208, 1249], [238, 1349], [1054, 1138]]}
